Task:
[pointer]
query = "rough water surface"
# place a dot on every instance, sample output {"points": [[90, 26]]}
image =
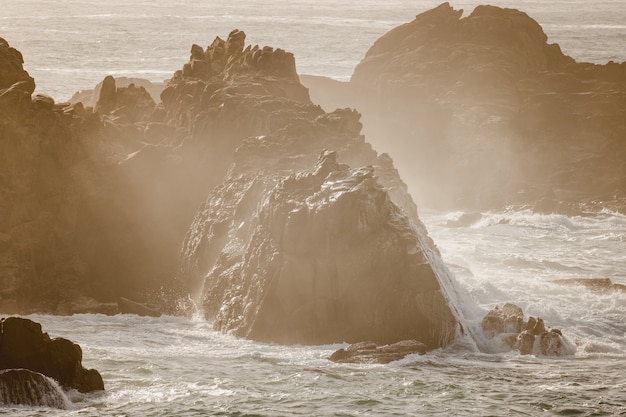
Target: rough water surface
{"points": [[176, 366]]}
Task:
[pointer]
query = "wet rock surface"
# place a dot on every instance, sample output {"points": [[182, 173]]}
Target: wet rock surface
{"points": [[369, 352], [28, 388], [24, 345], [484, 112], [508, 327]]}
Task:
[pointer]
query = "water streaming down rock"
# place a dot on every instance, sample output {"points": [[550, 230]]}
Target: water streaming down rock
{"points": [[28, 388]]}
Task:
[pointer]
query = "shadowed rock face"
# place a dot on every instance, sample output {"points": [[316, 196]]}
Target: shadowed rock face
{"points": [[483, 112], [24, 345]]}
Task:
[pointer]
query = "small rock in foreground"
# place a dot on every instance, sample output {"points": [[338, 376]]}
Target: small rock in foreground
{"points": [[369, 352]]}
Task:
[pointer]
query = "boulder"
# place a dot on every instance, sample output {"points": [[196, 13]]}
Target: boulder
{"points": [[369, 352], [24, 345], [28, 388], [507, 329]]}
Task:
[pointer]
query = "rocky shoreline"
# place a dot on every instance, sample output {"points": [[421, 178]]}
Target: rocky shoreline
{"points": [[229, 190]]}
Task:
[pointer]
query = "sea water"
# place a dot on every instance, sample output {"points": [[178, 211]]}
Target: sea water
{"points": [[174, 366]]}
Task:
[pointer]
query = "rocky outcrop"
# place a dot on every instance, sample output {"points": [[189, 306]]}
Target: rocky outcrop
{"points": [[369, 352], [94, 204], [309, 237], [89, 98], [24, 387], [483, 112], [24, 345], [507, 328], [304, 243]]}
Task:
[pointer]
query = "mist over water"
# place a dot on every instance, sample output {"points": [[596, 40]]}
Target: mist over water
{"points": [[72, 45], [178, 366]]}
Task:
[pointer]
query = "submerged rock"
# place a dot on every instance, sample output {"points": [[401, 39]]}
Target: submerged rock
{"points": [[593, 284], [508, 328], [24, 345], [24, 387], [369, 352]]}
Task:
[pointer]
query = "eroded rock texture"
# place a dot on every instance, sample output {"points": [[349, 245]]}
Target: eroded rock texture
{"points": [[482, 112]]}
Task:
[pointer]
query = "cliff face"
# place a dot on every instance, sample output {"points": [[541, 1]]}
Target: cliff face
{"points": [[485, 113], [41, 149]]}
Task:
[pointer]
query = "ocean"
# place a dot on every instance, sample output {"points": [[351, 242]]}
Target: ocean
{"points": [[175, 366]]}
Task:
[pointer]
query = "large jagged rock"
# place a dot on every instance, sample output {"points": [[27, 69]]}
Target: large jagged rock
{"points": [[295, 246], [28, 388], [24, 345], [483, 113], [507, 327]]}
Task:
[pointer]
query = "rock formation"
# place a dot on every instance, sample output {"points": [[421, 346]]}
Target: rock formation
{"points": [[24, 345], [24, 387], [506, 326], [309, 236], [94, 204], [301, 243], [318, 256], [483, 112], [369, 352]]}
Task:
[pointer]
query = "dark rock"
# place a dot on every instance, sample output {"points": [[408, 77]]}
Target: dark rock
{"points": [[24, 345], [28, 388], [507, 327], [12, 70], [127, 306], [369, 352]]}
